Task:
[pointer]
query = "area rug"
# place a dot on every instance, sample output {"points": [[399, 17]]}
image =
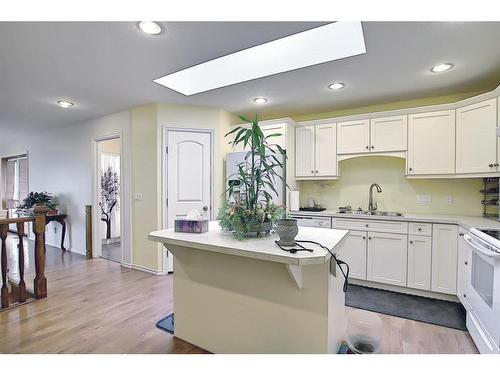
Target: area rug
{"points": [[422, 309], [166, 324]]}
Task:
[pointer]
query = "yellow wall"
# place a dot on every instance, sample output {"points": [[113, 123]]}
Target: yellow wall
{"points": [[398, 192], [147, 124], [389, 106]]}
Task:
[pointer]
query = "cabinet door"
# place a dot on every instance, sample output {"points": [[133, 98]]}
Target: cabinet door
{"points": [[419, 262], [387, 258], [462, 269], [389, 133], [326, 150], [353, 251], [275, 129], [353, 137], [476, 137], [431, 143], [444, 258], [304, 151]]}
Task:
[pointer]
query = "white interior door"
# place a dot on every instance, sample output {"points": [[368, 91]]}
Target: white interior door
{"points": [[189, 173]]}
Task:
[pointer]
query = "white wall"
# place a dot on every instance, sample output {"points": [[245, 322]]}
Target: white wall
{"points": [[61, 161]]}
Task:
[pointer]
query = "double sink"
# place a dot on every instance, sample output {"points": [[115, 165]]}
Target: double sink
{"points": [[373, 213]]}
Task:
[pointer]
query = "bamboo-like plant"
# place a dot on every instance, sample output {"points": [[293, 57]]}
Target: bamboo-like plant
{"points": [[253, 205]]}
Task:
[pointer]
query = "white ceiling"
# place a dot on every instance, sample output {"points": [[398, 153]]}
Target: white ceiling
{"points": [[108, 67]]}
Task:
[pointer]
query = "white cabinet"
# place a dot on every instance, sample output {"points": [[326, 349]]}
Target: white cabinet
{"points": [[444, 258], [353, 137], [304, 151], [388, 134], [431, 143], [387, 258], [275, 129], [419, 262], [353, 251], [462, 269], [476, 138], [316, 151]]}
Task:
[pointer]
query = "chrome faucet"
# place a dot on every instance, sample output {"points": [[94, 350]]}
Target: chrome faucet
{"points": [[371, 206]]}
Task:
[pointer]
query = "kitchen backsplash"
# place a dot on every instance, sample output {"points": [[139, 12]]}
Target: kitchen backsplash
{"points": [[398, 192]]}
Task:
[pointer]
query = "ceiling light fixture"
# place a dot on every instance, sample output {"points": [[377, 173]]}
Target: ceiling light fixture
{"points": [[336, 86], [65, 104], [150, 27], [322, 44], [260, 100], [439, 68]]}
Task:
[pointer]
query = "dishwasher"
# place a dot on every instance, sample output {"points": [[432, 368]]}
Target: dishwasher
{"points": [[313, 221]]}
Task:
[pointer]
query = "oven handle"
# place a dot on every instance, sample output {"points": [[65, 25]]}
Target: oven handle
{"points": [[491, 254]]}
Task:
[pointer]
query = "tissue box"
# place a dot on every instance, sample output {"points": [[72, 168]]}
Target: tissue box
{"points": [[191, 226]]}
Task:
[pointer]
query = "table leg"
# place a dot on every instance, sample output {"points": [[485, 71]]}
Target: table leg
{"points": [[63, 233]]}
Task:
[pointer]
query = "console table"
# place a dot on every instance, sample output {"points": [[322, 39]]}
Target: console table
{"points": [[61, 219]]}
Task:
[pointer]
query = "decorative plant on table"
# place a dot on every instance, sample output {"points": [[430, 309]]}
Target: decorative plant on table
{"points": [[37, 198], [250, 207], [110, 194]]}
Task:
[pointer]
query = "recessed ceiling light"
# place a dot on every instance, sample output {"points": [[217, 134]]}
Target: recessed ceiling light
{"points": [[150, 27], [441, 67], [330, 42], [65, 104], [336, 86], [260, 100]]}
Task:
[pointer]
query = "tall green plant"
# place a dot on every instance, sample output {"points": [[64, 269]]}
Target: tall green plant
{"points": [[258, 171]]}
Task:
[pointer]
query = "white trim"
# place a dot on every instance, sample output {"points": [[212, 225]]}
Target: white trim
{"points": [[164, 191], [97, 245], [147, 270]]}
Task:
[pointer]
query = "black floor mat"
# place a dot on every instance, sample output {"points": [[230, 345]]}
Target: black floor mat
{"points": [[427, 310]]}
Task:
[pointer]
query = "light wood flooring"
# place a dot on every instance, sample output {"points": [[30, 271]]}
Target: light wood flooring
{"points": [[97, 306]]}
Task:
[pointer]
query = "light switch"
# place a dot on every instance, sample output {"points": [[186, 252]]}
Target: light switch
{"points": [[424, 199], [138, 196]]}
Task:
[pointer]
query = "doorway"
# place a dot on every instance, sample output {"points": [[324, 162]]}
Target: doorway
{"points": [[188, 177], [108, 196]]}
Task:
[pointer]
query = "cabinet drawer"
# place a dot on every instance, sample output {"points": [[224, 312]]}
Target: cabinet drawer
{"points": [[371, 225], [420, 229]]}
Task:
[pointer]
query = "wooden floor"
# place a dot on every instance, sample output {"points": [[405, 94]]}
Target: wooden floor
{"points": [[97, 306]]}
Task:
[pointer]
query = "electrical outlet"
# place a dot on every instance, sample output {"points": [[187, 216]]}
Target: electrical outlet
{"points": [[448, 200], [138, 196], [424, 199]]}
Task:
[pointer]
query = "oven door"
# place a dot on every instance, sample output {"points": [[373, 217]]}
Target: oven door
{"points": [[483, 289]]}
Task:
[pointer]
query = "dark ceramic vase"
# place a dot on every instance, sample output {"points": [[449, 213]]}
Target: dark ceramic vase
{"points": [[287, 229]]}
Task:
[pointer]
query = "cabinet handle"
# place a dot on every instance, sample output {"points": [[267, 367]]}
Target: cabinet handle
{"points": [[490, 165], [466, 263], [317, 171], [461, 234], [364, 237], [410, 169], [411, 242], [419, 229], [373, 147], [367, 147], [369, 238]]}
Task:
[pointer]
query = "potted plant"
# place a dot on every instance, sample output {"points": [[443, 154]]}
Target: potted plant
{"points": [[250, 208], [38, 199]]}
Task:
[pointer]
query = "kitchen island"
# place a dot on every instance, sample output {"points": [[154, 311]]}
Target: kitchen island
{"points": [[250, 296]]}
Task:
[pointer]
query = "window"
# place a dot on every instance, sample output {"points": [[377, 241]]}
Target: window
{"points": [[15, 181]]}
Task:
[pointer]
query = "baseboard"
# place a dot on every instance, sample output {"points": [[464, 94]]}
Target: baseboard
{"points": [[147, 269], [400, 289]]}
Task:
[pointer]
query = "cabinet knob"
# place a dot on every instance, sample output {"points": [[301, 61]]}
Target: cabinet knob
{"points": [[366, 225], [419, 229], [466, 263], [369, 238], [490, 165], [496, 164], [317, 171], [410, 169], [364, 237], [373, 147], [465, 295], [411, 242], [461, 234], [312, 171], [367, 147]]}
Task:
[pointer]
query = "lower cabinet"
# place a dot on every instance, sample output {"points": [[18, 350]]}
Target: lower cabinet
{"points": [[444, 258], [419, 262], [462, 270], [387, 258], [353, 252]]}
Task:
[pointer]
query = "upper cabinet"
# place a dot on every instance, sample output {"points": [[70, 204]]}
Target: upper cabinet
{"points": [[316, 151], [476, 138], [388, 134], [385, 134], [431, 143], [353, 137]]}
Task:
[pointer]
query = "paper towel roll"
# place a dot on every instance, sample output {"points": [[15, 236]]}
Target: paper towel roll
{"points": [[294, 201]]}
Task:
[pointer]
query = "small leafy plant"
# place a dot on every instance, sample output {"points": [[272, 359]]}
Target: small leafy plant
{"points": [[250, 205], [36, 198]]}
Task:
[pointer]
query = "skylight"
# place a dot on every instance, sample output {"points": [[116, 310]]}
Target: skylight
{"points": [[322, 44]]}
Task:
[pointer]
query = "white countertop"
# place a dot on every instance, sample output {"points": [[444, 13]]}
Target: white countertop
{"points": [[464, 221], [263, 248]]}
